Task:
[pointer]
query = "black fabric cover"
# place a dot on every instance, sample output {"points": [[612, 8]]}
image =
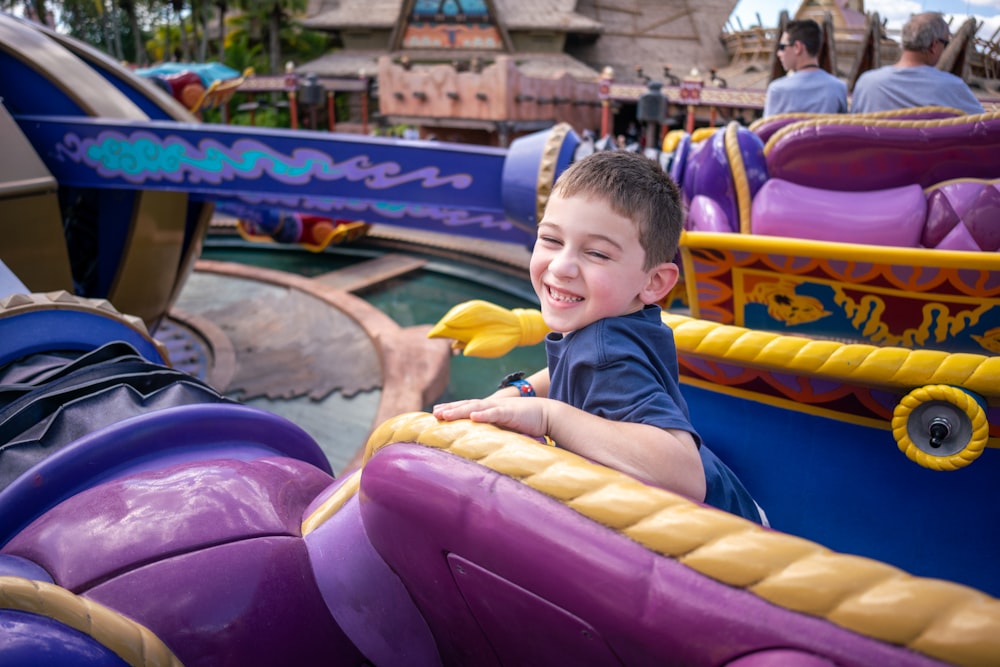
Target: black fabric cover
{"points": [[49, 400]]}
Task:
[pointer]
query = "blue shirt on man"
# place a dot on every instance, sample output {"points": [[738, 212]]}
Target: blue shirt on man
{"points": [[811, 90], [892, 87]]}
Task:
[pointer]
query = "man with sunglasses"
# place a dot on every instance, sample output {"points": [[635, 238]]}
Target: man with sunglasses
{"points": [[806, 87], [914, 81]]}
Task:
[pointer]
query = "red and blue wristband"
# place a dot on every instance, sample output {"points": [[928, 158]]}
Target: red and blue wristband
{"points": [[517, 380]]}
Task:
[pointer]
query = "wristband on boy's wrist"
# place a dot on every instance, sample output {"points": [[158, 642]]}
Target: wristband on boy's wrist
{"points": [[517, 380]]}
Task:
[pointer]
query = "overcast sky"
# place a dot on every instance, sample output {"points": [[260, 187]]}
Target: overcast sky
{"points": [[896, 11]]}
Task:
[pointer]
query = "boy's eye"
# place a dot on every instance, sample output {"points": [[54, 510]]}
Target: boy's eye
{"points": [[549, 240], [596, 254]]}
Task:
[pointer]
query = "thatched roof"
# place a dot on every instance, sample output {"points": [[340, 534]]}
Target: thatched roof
{"points": [[554, 15], [340, 14]]}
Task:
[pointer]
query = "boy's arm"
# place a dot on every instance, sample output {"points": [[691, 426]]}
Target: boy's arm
{"points": [[539, 381], [667, 458]]}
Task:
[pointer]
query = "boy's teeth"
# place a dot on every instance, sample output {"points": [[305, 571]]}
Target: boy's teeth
{"points": [[562, 297]]}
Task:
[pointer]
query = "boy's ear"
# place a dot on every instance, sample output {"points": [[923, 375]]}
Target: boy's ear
{"points": [[661, 279]]}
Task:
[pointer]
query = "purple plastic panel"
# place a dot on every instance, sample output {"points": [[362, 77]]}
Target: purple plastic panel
{"points": [[687, 171], [554, 637], [870, 157], [710, 173], [884, 217], [419, 505], [151, 442], [366, 599], [959, 238], [678, 161], [17, 566], [751, 151], [981, 219], [705, 215], [941, 214], [770, 126], [153, 515], [777, 657], [962, 215], [32, 640], [253, 604]]}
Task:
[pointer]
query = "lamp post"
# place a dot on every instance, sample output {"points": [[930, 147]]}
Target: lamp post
{"points": [[291, 83], [311, 94], [365, 89], [651, 109], [691, 93], [607, 74], [331, 110]]}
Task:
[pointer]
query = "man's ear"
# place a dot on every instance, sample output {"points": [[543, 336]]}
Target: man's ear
{"points": [[660, 280]]}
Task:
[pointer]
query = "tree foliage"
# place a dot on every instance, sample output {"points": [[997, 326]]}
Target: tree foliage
{"points": [[264, 32]]}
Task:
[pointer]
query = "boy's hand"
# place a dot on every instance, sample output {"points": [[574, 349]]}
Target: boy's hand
{"points": [[524, 415]]}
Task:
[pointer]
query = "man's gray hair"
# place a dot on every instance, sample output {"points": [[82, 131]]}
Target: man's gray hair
{"points": [[921, 30]]}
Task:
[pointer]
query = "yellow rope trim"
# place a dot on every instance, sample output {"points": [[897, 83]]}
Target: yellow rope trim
{"points": [[952, 181], [874, 115], [946, 621], [961, 400], [671, 140], [347, 490], [738, 171], [132, 642], [862, 120], [703, 133], [888, 367], [547, 167], [483, 329]]}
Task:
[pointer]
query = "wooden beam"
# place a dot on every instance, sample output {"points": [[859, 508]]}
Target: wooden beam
{"points": [[616, 8], [669, 19]]}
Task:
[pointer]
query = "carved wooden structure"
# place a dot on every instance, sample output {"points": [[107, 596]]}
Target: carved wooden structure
{"points": [[499, 99]]}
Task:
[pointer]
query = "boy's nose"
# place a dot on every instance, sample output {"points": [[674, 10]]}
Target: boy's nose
{"points": [[563, 264]]}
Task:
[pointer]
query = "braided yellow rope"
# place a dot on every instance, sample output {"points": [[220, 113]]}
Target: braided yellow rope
{"points": [[995, 182], [132, 642], [347, 490], [547, 167], [940, 619], [874, 115], [848, 119], [472, 325], [738, 171], [888, 367]]}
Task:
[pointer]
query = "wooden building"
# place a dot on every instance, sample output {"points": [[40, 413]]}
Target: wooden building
{"points": [[486, 71]]}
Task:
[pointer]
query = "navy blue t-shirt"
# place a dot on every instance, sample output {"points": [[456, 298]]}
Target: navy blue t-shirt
{"points": [[625, 369]]}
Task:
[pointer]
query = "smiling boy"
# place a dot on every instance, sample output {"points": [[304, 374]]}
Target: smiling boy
{"points": [[602, 261]]}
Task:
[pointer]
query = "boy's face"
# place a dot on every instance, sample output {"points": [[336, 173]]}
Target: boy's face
{"points": [[587, 264]]}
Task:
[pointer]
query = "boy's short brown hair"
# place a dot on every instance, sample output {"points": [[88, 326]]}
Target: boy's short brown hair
{"points": [[636, 188]]}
